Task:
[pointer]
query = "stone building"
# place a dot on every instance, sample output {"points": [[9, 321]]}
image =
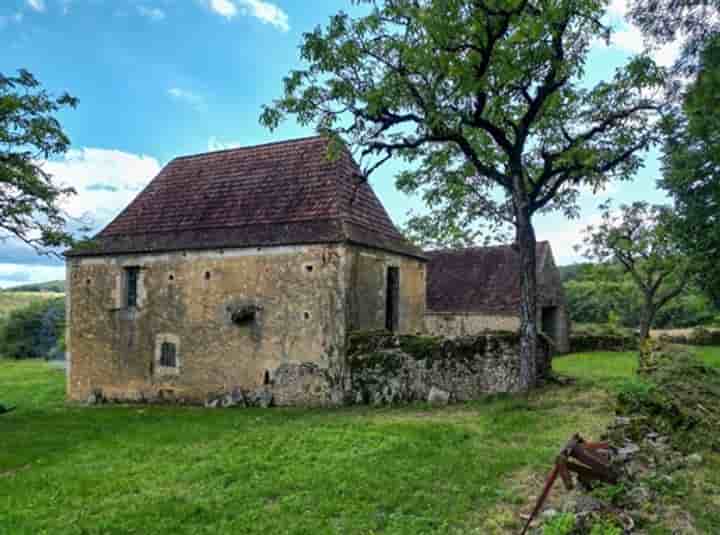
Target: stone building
{"points": [[235, 270], [478, 289]]}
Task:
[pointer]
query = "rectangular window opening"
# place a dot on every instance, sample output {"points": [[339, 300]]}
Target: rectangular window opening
{"points": [[168, 357], [392, 304], [132, 274]]}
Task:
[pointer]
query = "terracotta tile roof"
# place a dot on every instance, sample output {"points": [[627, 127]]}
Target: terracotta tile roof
{"points": [[477, 279], [276, 194]]}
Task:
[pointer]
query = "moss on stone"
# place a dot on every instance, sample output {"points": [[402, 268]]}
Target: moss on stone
{"points": [[421, 347]]}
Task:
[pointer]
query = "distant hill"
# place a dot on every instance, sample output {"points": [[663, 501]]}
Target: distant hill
{"points": [[51, 286], [571, 271]]}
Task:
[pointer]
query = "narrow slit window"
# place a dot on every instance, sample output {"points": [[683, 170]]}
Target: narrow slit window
{"points": [[168, 355], [132, 274], [392, 299]]}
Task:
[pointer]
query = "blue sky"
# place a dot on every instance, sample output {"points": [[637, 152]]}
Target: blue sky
{"points": [[161, 78]]}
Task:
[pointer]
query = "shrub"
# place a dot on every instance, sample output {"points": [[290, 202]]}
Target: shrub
{"points": [[677, 394], [34, 331]]}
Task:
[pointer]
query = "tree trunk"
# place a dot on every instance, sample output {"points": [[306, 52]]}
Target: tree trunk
{"points": [[646, 318], [526, 244]]}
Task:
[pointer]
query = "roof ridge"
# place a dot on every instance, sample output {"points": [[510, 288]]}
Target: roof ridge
{"points": [[479, 247], [250, 147]]}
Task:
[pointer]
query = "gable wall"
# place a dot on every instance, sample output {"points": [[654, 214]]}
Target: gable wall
{"points": [[115, 349], [366, 280]]}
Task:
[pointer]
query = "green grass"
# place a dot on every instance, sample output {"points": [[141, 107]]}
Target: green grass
{"points": [[9, 301], [461, 469]]}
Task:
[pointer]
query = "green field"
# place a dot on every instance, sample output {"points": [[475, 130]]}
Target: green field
{"points": [[468, 468], [9, 301]]}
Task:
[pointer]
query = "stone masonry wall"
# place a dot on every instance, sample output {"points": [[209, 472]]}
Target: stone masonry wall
{"points": [[289, 351], [387, 368], [468, 324], [366, 279], [188, 299]]}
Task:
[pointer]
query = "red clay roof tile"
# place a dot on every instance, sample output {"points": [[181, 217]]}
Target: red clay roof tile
{"points": [[275, 194]]}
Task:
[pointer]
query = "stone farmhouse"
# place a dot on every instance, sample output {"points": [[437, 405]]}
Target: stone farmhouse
{"points": [[478, 289], [244, 271], [233, 268]]}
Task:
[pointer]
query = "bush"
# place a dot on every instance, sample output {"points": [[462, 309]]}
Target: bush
{"points": [[34, 331], [585, 342], [676, 394]]}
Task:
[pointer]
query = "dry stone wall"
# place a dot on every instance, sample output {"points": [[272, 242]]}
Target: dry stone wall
{"points": [[386, 368]]}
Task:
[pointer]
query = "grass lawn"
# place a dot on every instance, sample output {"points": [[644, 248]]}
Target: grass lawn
{"points": [[460, 469]]}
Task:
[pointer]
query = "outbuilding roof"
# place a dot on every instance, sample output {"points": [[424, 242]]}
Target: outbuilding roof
{"points": [[281, 193], [483, 280]]}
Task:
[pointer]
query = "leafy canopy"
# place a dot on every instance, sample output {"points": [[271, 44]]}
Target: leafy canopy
{"points": [[691, 169], [30, 133], [484, 100], [638, 237]]}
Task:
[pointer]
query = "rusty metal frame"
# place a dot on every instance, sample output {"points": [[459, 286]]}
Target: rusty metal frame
{"points": [[593, 465]]}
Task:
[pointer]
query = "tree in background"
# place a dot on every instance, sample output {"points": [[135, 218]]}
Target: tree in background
{"points": [[29, 133], [484, 101], [665, 21], [638, 238], [691, 170]]}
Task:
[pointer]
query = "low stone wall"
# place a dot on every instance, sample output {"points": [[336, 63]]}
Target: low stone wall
{"points": [[467, 324], [386, 368], [382, 368], [586, 342]]}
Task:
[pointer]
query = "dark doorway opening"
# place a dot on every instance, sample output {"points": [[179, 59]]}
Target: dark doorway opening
{"points": [[550, 318], [392, 302]]}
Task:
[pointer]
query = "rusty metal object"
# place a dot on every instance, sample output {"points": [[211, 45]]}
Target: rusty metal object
{"points": [[593, 465]]}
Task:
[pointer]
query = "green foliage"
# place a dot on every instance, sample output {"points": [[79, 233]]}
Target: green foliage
{"points": [[33, 331], [639, 238], [691, 169], [562, 524], [677, 394], [29, 133], [606, 528], [596, 293]]}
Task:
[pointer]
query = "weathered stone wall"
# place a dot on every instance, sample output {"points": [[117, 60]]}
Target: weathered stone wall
{"points": [[367, 284], [388, 368], [468, 324], [188, 298]]}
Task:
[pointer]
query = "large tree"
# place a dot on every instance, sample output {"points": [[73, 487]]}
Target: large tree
{"points": [[691, 169], [691, 159], [30, 134], [486, 102], [638, 237]]}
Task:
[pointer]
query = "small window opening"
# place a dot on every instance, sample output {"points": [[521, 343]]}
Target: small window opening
{"points": [[168, 355], [171, 278], [87, 281], [207, 275], [307, 315], [309, 268], [266, 379], [131, 286]]}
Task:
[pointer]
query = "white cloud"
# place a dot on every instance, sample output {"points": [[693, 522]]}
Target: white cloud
{"points": [[223, 7], [37, 5], [215, 144], [152, 13], [188, 97], [268, 13], [618, 8], [105, 180]]}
